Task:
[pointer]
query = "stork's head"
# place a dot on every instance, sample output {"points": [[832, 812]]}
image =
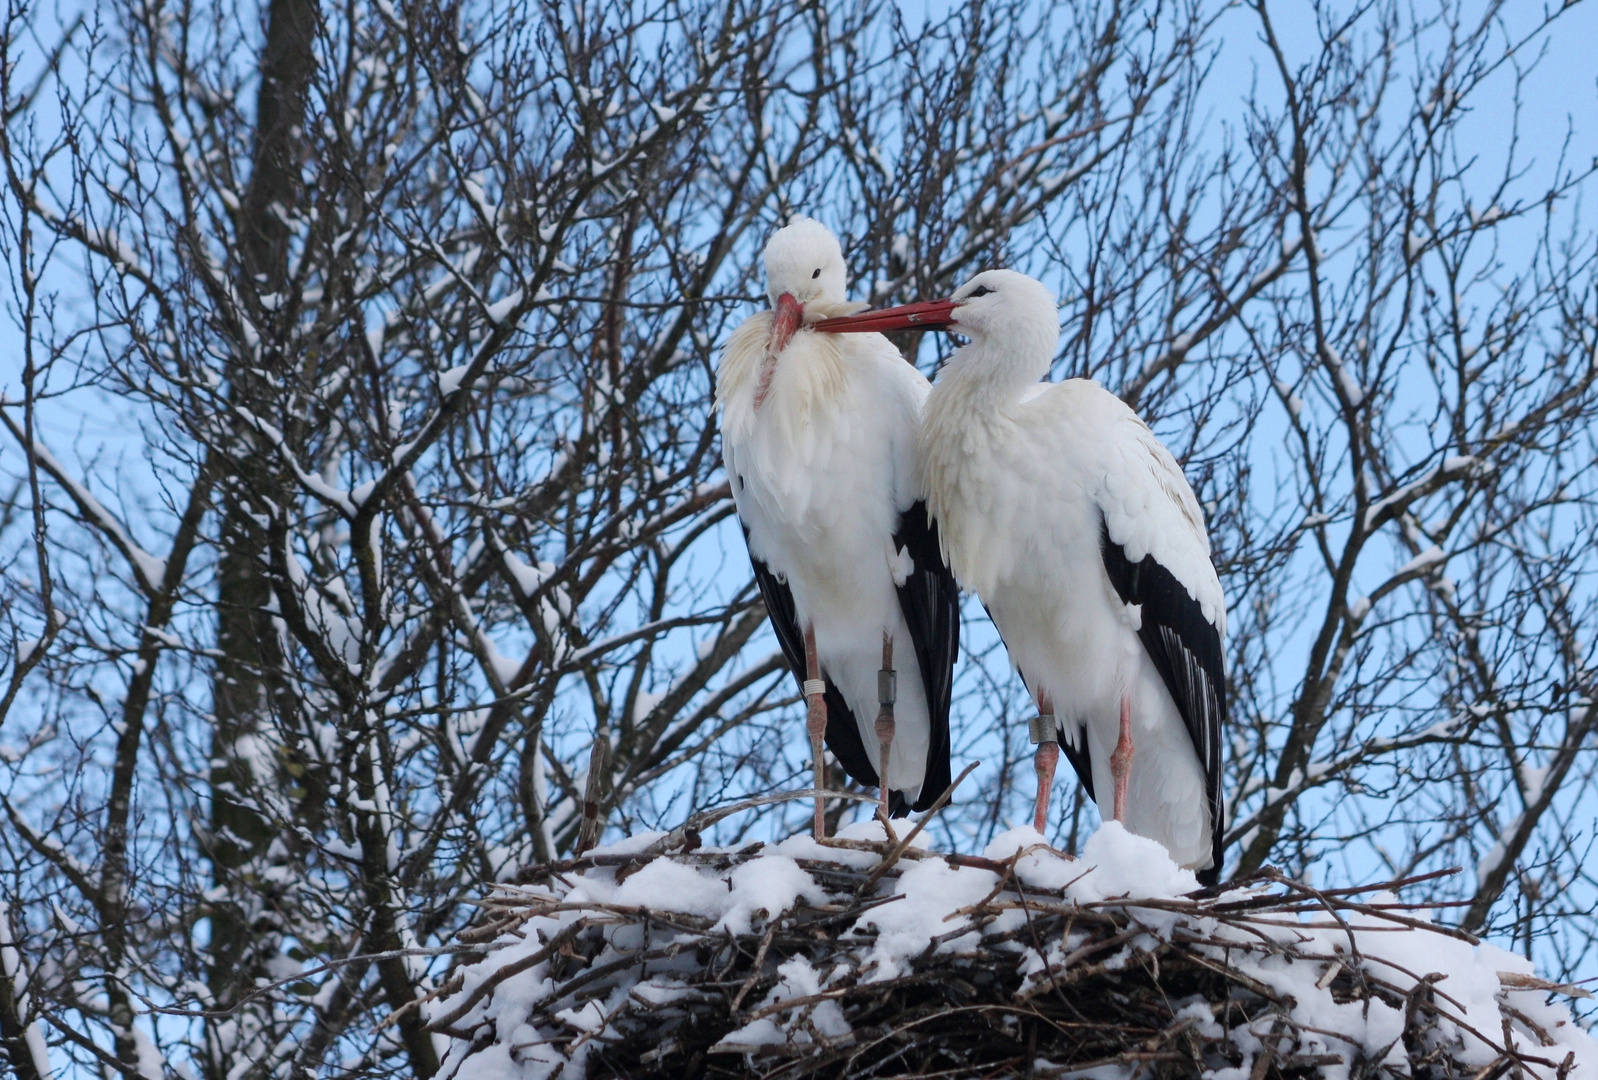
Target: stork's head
{"points": [[1004, 304], [804, 270], [805, 263], [1015, 315]]}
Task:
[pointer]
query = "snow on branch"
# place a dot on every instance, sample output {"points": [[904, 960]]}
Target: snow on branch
{"points": [[863, 957], [1391, 505]]}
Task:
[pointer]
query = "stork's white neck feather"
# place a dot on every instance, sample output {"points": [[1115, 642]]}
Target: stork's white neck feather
{"points": [[995, 371], [965, 422], [970, 415]]}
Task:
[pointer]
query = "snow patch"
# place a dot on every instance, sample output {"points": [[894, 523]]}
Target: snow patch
{"points": [[500, 310], [1125, 864], [933, 891], [764, 888], [450, 381], [1430, 557]]}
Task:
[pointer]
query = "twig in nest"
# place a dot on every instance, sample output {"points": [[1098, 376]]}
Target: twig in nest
{"points": [[903, 845]]}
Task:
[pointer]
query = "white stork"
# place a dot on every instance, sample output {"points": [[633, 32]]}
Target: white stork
{"points": [[819, 435], [1062, 511]]}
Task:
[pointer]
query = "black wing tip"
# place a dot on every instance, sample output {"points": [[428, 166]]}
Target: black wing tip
{"points": [[1217, 849], [930, 604], [1081, 762], [930, 793], [843, 739], [1185, 647]]}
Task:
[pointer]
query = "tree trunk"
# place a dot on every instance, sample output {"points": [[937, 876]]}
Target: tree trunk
{"points": [[245, 688]]}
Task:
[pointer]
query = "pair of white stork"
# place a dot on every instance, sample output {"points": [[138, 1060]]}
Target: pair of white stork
{"points": [[866, 493]]}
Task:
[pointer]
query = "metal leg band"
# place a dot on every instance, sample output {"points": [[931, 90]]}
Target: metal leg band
{"points": [[887, 686], [1043, 729]]}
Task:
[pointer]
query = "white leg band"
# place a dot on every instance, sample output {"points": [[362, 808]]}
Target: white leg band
{"points": [[815, 686], [1043, 729]]}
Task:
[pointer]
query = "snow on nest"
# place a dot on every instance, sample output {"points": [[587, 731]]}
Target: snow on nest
{"points": [[536, 1010]]}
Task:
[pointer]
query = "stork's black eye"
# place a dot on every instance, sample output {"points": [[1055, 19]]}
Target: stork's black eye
{"points": [[980, 290], [816, 274]]}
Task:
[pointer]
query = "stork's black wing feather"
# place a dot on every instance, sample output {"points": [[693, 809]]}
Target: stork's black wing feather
{"points": [[930, 602], [843, 734], [1186, 650], [1077, 755]]}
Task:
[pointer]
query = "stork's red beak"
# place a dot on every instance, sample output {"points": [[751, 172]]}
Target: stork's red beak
{"points": [[927, 315], [789, 316]]}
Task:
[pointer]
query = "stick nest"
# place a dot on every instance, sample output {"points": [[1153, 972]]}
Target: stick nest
{"points": [[1028, 980]]}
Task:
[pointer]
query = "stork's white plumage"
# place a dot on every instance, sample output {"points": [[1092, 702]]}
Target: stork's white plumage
{"points": [[1061, 510], [819, 436]]}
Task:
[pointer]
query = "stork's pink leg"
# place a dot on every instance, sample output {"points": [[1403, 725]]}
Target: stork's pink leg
{"points": [[1121, 757], [887, 692], [1046, 734], [816, 724]]}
